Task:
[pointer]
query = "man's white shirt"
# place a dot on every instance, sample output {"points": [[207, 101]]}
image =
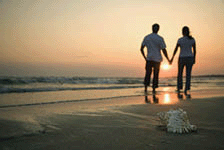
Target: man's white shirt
{"points": [[154, 44]]}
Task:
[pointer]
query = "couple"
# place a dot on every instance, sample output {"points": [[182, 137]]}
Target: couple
{"points": [[155, 43]]}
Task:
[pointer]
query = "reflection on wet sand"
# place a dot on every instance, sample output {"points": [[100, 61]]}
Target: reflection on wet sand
{"points": [[165, 99], [181, 95], [154, 99]]}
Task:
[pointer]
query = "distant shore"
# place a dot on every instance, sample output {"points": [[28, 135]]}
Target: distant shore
{"points": [[202, 76]]}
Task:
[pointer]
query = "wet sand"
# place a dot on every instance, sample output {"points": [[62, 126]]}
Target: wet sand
{"points": [[119, 123]]}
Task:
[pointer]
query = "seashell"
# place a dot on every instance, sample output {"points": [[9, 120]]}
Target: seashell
{"points": [[180, 130], [176, 121], [174, 130]]}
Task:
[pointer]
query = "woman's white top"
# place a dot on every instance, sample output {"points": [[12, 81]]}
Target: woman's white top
{"points": [[186, 46]]}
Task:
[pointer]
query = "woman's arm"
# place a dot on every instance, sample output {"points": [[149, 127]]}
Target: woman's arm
{"points": [[174, 53], [194, 51]]}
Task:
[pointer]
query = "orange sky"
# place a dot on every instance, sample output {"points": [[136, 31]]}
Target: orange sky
{"points": [[103, 38]]}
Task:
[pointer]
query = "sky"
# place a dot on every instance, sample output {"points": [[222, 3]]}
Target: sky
{"points": [[102, 38]]}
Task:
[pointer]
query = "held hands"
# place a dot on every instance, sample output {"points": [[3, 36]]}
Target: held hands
{"points": [[171, 61]]}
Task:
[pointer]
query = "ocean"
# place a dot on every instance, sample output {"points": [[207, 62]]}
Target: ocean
{"points": [[20, 91]]}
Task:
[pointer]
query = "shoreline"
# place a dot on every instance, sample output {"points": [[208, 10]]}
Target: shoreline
{"points": [[45, 98], [119, 123]]}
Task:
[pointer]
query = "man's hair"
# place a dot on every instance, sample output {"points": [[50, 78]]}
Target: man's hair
{"points": [[155, 28]]}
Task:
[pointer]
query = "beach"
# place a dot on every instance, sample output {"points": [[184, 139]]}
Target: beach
{"points": [[82, 75], [114, 123]]}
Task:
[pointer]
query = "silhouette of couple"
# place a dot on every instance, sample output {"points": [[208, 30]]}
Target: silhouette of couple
{"points": [[155, 43]]}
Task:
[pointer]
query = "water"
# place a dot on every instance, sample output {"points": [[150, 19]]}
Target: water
{"points": [[20, 121], [44, 84], [19, 91]]}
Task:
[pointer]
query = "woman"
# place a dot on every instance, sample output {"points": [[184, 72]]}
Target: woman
{"points": [[186, 58]]}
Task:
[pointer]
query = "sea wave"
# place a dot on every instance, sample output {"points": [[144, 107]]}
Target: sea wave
{"points": [[23, 90], [68, 80], [46, 84]]}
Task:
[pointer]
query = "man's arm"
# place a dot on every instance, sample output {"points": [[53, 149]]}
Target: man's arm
{"points": [[142, 51], [165, 54]]}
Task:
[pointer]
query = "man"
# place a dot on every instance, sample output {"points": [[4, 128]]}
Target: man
{"points": [[154, 44]]}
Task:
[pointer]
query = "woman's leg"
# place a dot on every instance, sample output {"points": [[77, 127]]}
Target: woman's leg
{"points": [[188, 76], [180, 76]]}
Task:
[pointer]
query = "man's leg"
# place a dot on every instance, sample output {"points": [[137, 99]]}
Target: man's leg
{"points": [[156, 75], [148, 71]]}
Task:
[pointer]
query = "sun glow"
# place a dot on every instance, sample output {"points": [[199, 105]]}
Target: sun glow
{"points": [[166, 67]]}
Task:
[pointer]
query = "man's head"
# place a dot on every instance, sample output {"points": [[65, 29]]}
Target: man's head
{"points": [[155, 28]]}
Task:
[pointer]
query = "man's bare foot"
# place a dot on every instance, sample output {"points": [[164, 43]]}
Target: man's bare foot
{"points": [[178, 90], [145, 89], [154, 90]]}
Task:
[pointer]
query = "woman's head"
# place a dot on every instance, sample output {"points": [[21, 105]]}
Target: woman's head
{"points": [[186, 32]]}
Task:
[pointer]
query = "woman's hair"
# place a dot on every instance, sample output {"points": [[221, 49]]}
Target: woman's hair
{"points": [[186, 32]]}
